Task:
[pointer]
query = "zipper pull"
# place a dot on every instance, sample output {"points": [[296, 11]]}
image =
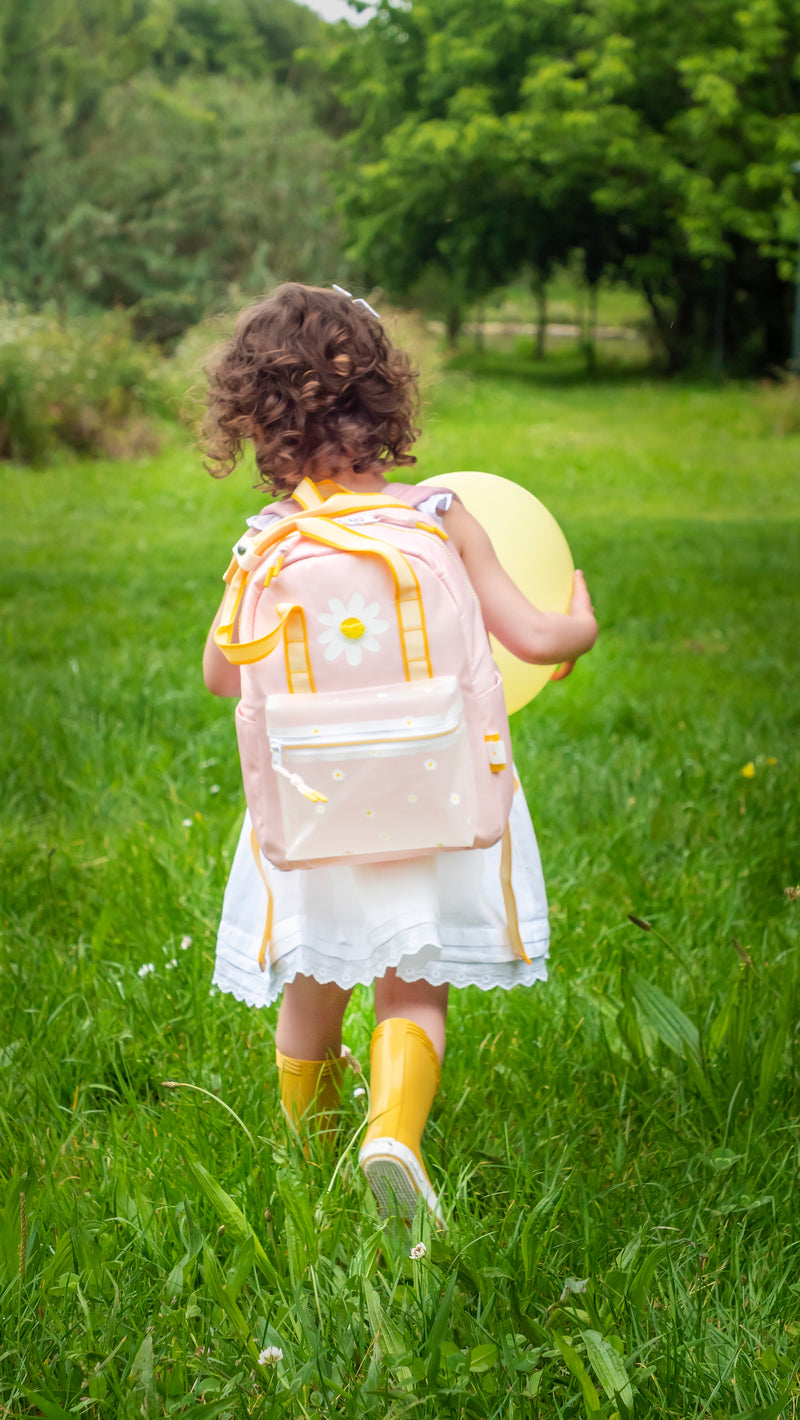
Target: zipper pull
{"points": [[294, 779]]}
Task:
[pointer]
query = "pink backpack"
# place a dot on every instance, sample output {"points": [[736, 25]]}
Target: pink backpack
{"points": [[372, 724]]}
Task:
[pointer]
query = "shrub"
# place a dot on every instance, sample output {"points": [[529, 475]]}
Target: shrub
{"points": [[86, 383], [79, 381]]}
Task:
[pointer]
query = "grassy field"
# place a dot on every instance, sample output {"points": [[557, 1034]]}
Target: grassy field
{"points": [[616, 1152], [567, 302]]}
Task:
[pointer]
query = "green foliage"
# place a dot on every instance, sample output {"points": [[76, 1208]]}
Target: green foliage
{"points": [[150, 160], [180, 198], [617, 1152], [84, 383], [655, 141]]}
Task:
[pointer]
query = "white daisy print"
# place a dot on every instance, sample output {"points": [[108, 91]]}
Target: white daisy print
{"points": [[351, 628], [412, 798], [455, 798], [430, 763], [337, 774]]}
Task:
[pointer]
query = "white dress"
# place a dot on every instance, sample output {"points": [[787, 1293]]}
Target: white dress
{"points": [[440, 918]]}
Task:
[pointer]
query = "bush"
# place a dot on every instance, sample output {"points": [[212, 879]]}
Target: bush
{"points": [[81, 381], [86, 383]]}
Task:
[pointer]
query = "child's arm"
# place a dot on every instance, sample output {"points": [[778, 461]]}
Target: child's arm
{"points": [[220, 676], [541, 637]]}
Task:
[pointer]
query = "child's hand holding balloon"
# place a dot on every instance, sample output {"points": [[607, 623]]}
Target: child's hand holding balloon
{"points": [[580, 606]]}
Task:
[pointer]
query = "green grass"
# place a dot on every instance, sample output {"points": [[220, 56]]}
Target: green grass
{"points": [[567, 302], [633, 1125]]}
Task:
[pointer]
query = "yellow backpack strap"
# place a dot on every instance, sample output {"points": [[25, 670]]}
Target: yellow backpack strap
{"points": [[408, 596], [299, 677], [289, 628], [509, 900], [328, 487], [266, 939], [306, 495], [339, 505], [408, 602], [244, 653], [236, 581]]}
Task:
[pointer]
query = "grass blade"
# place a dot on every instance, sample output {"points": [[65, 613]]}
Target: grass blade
{"points": [[667, 1019], [608, 1367], [575, 1365]]}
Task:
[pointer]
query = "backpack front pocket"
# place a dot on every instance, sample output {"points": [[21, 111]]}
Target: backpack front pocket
{"points": [[373, 773]]}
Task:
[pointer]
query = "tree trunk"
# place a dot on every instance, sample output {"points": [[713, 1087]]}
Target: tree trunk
{"points": [[479, 331], [453, 325], [720, 305], [590, 333], [667, 333], [540, 292]]}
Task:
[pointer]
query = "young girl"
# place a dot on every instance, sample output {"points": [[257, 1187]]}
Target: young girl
{"points": [[311, 380]]}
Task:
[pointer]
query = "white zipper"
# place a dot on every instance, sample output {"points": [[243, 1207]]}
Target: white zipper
{"points": [[381, 738], [402, 741]]}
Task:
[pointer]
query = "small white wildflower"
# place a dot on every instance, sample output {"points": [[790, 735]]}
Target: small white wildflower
{"points": [[418, 1250], [207, 763], [214, 789], [145, 969], [270, 1356], [359, 1092], [171, 965], [186, 942], [186, 822]]}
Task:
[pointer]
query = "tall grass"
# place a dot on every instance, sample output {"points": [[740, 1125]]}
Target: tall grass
{"points": [[616, 1152]]}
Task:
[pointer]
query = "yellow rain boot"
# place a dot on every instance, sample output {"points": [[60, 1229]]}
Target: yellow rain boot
{"points": [[404, 1076], [310, 1087]]}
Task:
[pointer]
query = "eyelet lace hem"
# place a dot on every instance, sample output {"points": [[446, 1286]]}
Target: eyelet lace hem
{"points": [[416, 956]]}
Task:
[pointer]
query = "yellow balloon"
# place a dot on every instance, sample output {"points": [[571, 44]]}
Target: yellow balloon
{"points": [[534, 552]]}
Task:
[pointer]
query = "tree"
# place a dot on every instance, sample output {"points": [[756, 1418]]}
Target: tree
{"points": [[135, 176], [182, 195], [437, 183], [655, 139]]}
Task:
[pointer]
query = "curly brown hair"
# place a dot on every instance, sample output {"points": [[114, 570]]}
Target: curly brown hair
{"points": [[312, 379]]}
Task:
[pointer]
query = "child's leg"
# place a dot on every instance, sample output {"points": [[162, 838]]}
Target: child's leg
{"points": [[405, 1055], [310, 1019], [308, 1042], [413, 1001]]}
